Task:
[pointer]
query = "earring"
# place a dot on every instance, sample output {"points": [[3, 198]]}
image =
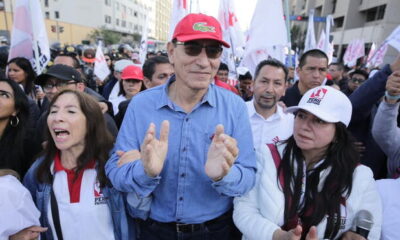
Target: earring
{"points": [[14, 121]]}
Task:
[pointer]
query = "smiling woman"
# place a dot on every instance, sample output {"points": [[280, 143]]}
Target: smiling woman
{"points": [[71, 171]]}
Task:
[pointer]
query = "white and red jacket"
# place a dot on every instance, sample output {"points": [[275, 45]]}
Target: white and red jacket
{"points": [[261, 211]]}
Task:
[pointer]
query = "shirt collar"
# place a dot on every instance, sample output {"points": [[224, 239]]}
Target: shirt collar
{"points": [[278, 114], [59, 167], [209, 97]]}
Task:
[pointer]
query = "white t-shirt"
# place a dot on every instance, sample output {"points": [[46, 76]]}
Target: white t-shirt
{"points": [[277, 127], [114, 92], [116, 101], [84, 213], [389, 190], [17, 209]]}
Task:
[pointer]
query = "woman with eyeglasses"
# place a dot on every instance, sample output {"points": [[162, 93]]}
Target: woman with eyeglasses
{"points": [[68, 182], [312, 186], [131, 84]]}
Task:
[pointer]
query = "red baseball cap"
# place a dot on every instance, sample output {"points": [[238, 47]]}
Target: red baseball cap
{"points": [[196, 26], [132, 72]]}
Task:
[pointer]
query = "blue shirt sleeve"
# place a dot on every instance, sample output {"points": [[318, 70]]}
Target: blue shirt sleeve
{"points": [[130, 177], [241, 176]]}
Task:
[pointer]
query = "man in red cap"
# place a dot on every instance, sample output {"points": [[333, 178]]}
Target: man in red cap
{"points": [[195, 143]]}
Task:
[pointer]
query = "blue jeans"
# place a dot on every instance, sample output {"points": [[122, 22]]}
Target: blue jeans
{"points": [[217, 230]]}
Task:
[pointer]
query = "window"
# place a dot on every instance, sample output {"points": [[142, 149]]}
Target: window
{"points": [[135, 14], [381, 12], [123, 23], [334, 6], [46, 3], [47, 14], [375, 13], [57, 14], [339, 22], [108, 2], [107, 19], [117, 21]]}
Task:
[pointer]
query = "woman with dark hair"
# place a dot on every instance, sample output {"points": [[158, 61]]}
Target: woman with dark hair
{"points": [[16, 148], [311, 186], [19, 216], [20, 70], [68, 183], [131, 84]]}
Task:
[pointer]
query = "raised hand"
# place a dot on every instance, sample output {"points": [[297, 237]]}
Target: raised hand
{"points": [[221, 155], [126, 157], [154, 151], [393, 86]]}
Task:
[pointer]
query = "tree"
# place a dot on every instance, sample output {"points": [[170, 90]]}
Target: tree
{"points": [[108, 36]]}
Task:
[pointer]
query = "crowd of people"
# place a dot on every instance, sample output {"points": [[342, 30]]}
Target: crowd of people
{"points": [[175, 149]]}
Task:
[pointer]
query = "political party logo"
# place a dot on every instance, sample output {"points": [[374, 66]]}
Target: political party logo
{"points": [[201, 26], [317, 96], [98, 195]]}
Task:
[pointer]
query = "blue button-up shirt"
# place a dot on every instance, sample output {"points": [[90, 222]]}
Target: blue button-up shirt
{"points": [[183, 192]]}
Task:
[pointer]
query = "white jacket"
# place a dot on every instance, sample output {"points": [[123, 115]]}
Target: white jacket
{"points": [[261, 211]]}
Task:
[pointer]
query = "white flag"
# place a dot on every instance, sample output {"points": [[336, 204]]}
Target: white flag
{"points": [[321, 41], [378, 56], [394, 39], [101, 69], [232, 34], [267, 36], [143, 46], [29, 36], [179, 10], [310, 42], [371, 52], [354, 51]]}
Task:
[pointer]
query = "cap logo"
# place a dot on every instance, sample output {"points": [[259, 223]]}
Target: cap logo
{"points": [[317, 96], [201, 26]]}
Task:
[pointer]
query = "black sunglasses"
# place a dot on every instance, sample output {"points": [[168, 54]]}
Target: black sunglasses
{"points": [[357, 80], [193, 49]]}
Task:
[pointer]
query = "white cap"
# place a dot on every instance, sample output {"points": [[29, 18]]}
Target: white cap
{"points": [[326, 103], [121, 64]]}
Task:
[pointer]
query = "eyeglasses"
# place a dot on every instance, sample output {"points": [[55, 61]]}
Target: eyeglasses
{"points": [[49, 86], [194, 49], [357, 80]]}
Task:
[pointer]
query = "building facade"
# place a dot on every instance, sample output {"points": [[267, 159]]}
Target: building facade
{"points": [[371, 20], [70, 22]]}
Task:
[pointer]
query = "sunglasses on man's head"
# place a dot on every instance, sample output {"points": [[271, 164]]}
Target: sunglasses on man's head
{"points": [[193, 49]]}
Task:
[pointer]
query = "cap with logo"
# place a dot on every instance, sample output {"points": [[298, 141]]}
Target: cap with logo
{"points": [[132, 72], [61, 72], [326, 103], [196, 26]]}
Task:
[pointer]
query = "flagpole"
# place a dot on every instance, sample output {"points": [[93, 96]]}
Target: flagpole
{"points": [[233, 52], [34, 45], [287, 12]]}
